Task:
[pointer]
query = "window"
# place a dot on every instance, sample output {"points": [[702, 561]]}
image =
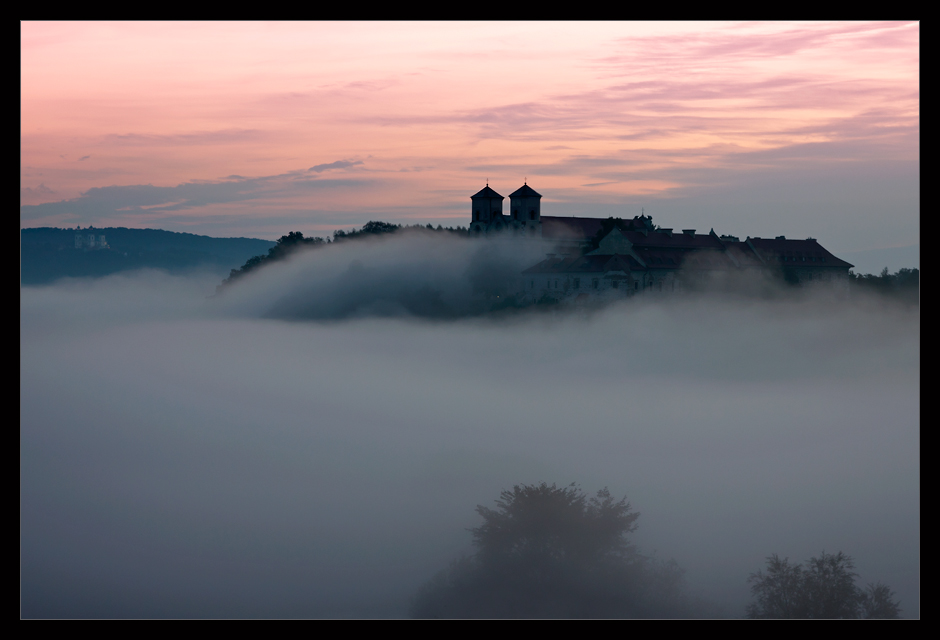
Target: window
{"points": [[531, 215], [595, 283], [577, 283], [615, 284]]}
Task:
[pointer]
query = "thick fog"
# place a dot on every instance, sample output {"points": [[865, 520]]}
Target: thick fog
{"points": [[313, 441]]}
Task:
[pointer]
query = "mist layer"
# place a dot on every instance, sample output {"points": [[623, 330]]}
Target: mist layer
{"points": [[262, 454]]}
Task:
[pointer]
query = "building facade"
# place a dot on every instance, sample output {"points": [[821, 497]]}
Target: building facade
{"points": [[597, 258], [90, 241]]}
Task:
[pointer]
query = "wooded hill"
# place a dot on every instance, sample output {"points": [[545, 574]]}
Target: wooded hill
{"points": [[48, 253]]}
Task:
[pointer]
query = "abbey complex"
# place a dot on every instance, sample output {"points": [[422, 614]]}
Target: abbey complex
{"points": [[593, 257]]}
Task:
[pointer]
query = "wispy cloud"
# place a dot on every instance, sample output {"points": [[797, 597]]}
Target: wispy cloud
{"points": [[99, 202], [41, 189], [339, 164]]}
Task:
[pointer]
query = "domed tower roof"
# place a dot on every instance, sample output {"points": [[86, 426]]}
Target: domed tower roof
{"points": [[525, 191], [486, 192]]}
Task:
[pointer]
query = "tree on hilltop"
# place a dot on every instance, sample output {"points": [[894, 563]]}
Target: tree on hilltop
{"points": [[285, 246]]}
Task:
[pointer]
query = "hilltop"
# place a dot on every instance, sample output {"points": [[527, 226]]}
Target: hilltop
{"points": [[49, 253]]}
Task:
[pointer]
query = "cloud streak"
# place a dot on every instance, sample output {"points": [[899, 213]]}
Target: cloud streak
{"points": [[99, 203], [339, 164]]}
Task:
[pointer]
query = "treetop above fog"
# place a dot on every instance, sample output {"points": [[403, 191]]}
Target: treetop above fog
{"points": [[558, 523], [825, 588]]}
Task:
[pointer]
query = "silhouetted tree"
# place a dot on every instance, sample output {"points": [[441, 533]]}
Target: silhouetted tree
{"points": [[549, 552], [779, 592], [371, 228], [284, 247], [878, 602], [541, 522], [903, 285], [824, 589]]}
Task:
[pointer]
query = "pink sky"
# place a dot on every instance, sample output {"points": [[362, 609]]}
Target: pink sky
{"points": [[257, 129]]}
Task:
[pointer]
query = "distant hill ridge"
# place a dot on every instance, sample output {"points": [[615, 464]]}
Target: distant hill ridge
{"points": [[49, 253]]}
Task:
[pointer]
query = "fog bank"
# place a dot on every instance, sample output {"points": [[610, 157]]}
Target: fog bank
{"points": [[414, 273], [191, 456]]}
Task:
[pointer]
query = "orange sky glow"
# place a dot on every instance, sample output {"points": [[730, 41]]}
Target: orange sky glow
{"points": [[256, 129]]}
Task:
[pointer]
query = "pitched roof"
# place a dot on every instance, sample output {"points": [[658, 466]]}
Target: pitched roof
{"points": [[661, 258], [560, 227], [668, 240], [743, 254], [486, 192], [525, 191], [569, 227], [795, 253], [707, 259]]}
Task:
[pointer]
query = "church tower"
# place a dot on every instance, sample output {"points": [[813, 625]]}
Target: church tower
{"points": [[487, 209], [526, 209]]}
